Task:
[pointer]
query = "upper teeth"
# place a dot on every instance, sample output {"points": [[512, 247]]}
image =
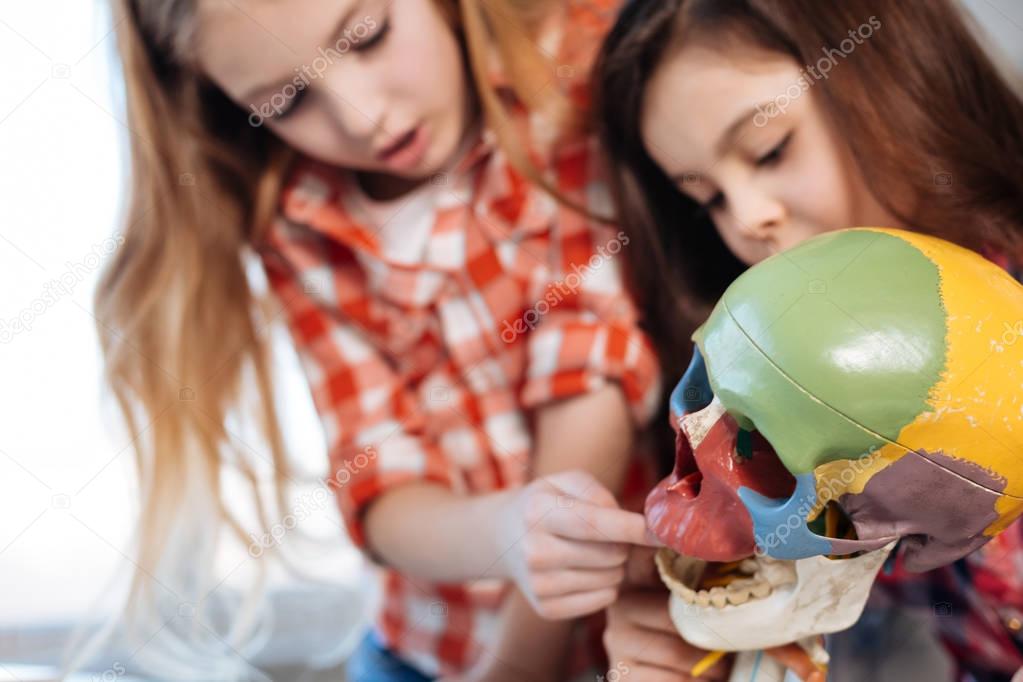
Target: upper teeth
{"points": [[680, 573]]}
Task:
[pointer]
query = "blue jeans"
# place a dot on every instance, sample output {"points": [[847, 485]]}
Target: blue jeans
{"points": [[373, 662]]}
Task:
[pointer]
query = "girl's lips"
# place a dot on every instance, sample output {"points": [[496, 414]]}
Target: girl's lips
{"points": [[407, 151]]}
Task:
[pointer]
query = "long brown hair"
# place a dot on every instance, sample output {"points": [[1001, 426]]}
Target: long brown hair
{"points": [[183, 335], [935, 128]]}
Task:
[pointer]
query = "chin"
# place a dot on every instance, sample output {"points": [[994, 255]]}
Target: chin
{"points": [[445, 148]]}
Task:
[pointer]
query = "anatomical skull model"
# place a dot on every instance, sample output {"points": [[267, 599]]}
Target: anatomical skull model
{"points": [[860, 391]]}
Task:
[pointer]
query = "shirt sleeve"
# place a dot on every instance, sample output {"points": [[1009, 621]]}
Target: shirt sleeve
{"points": [[375, 432], [583, 326]]}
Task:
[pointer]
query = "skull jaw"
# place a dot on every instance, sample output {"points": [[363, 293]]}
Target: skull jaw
{"points": [[828, 596]]}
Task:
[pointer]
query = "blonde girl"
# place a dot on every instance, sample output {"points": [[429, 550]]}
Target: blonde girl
{"points": [[391, 167]]}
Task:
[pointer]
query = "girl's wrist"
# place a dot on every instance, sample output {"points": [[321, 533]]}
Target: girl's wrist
{"points": [[491, 514]]}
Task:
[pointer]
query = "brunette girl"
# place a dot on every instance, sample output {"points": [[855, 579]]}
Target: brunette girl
{"points": [[737, 129]]}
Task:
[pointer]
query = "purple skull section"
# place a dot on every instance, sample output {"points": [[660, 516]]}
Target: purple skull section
{"points": [[938, 505]]}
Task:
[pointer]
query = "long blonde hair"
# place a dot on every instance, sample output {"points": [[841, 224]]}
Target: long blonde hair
{"points": [[180, 328]]}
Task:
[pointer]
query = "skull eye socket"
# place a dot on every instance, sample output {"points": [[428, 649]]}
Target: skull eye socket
{"points": [[833, 522]]}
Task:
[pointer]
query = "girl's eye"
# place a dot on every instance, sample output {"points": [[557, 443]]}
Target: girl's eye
{"points": [[775, 155], [716, 201], [373, 40], [292, 105], [295, 102]]}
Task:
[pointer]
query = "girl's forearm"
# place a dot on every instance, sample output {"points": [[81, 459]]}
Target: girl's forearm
{"points": [[591, 433], [426, 531], [526, 646]]}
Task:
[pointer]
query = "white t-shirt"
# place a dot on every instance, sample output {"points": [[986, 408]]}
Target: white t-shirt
{"points": [[402, 225]]}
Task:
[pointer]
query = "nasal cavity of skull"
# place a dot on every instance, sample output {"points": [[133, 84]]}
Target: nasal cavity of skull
{"points": [[687, 474]]}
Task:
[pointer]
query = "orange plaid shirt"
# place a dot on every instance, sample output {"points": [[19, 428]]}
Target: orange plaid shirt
{"points": [[429, 371]]}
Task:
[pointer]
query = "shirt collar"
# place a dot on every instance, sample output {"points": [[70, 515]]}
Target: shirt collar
{"points": [[483, 180]]}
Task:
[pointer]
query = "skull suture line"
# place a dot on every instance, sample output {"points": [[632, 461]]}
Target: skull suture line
{"points": [[862, 390]]}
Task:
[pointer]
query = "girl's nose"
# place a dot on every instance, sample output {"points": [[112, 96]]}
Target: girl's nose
{"points": [[358, 102], [757, 215]]}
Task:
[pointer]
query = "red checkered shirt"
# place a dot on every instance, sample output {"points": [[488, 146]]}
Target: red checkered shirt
{"points": [[429, 371], [975, 606]]}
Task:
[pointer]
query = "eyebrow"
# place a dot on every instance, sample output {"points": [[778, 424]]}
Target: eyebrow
{"points": [[728, 138], [251, 93]]}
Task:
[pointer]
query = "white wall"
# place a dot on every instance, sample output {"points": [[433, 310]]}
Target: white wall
{"points": [[1003, 19], [66, 489]]}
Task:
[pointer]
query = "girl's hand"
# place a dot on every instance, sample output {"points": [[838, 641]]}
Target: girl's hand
{"points": [[640, 638], [565, 541]]}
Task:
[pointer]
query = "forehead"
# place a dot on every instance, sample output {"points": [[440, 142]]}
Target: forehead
{"points": [[697, 92], [246, 41]]}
